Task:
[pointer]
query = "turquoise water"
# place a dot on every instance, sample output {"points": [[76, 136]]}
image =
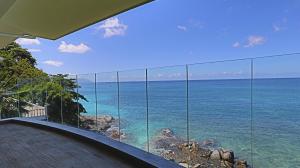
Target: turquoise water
{"points": [[218, 109]]}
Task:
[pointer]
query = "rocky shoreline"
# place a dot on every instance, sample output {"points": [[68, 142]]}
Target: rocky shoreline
{"points": [[106, 125], [196, 154], [168, 145]]}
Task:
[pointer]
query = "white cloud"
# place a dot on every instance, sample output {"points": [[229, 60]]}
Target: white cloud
{"points": [[276, 28], [25, 41], [71, 48], [53, 63], [112, 27], [255, 40], [34, 50], [182, 28], [196, 23], [280, 25], [236, 44]]}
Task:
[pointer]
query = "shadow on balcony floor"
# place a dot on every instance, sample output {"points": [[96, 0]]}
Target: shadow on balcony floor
{"points": [[23, 146]]}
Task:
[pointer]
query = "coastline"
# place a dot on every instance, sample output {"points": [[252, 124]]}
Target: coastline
{"points": [[171, 147]]}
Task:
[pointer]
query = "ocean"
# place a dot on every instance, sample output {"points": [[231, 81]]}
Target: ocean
{"points": [[259, 121]]}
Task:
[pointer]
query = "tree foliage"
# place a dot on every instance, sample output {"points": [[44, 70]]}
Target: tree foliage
{"points": [[24, 85], [17, 64]]}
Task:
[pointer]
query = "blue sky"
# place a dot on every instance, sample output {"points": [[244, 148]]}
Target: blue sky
{"points": [[172, 32]]}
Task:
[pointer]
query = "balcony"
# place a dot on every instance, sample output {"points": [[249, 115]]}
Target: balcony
{"points": [[242, 113]]}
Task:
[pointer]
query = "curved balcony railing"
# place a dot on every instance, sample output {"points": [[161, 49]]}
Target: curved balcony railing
{"points": [[242, 112]]}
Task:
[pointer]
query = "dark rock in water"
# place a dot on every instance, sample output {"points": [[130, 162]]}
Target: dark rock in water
{"points": [[194, 154], [215, 155], [166, 140], [113, 132], [183, 164], [197, 165], [108, 118], [167, 132], [105, 124], [102, 123], [209, 143], [241, 164], [227, 155]]}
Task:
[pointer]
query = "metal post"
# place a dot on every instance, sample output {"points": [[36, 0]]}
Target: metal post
{"points": [[77, 101], [187, 104], [1, 113], [187, 112], [19, 113], [61, 103], [118, 83], [46, 103], [147, 111], [96, 101], [31, 91], [251, 113]]}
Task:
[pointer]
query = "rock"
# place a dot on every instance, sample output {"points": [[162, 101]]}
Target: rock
{"points": [[165, 139], [102, 123], [197, 165], [227, 164], [215, 155], [164, 143], [103, 127], [171, 147], [209, 143], [227, 155], [168, 154], [108, 118], [194, 145], [241, 164], [113, 132], [184, 165], [167, 132]]}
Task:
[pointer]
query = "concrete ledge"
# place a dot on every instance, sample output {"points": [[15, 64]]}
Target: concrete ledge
{"points": [[134, 155]]}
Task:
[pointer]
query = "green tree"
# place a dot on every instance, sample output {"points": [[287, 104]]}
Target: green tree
{"points": [[23, 84], [62, 97], [17, 64]]}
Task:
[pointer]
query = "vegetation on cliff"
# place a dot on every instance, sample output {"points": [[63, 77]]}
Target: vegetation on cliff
{"points": [[23, 84]]}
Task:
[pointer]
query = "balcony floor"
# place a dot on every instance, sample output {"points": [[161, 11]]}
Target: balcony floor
{"points": [[24, 146]]}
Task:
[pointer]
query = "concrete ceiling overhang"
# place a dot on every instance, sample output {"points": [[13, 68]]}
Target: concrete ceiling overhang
{"points": [[52, 19]]}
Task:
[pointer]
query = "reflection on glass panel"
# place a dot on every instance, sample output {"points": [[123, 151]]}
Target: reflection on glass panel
{"points": [[133, 108], [69, 101], [38, 96], [107, 96], [87, 93], [54, 99], [9, 104], [25, 97], [167, 100], [220, 113], [276, 112]]}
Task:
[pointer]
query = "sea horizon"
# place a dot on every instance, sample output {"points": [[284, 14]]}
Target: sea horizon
{"points": [[218, 109]]}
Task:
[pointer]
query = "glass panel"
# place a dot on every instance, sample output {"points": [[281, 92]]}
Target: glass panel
{"points": [[69, 100], [25, 97], [54, 99], [133, 108], [220, 112], [86, 89], [9, 103], [38, 89], [276, 112], [167, 95], [107, 96]]}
